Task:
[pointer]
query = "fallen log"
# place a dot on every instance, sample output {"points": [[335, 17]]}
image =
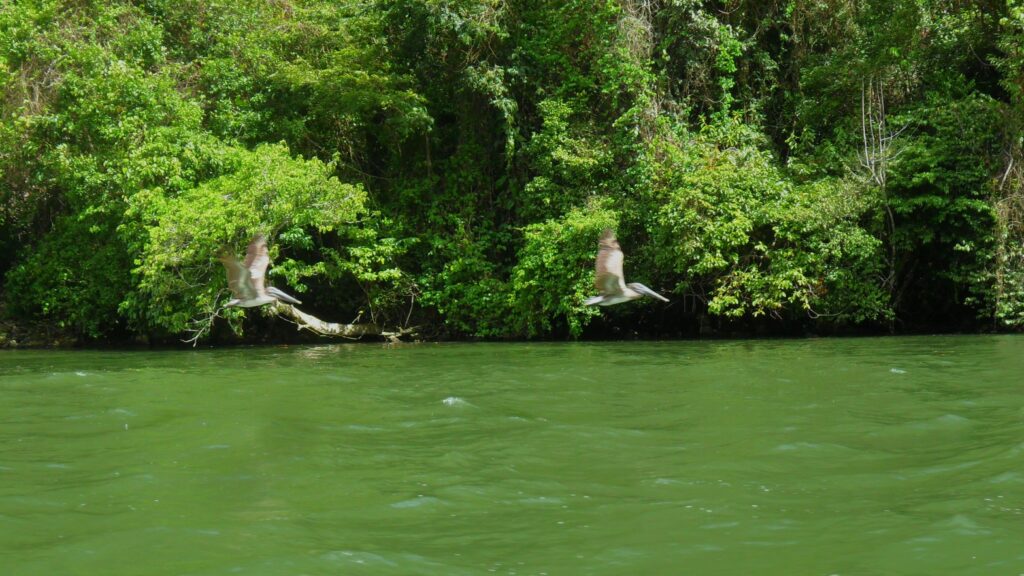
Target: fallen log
{"points": [[304, 321], [313, 324]]}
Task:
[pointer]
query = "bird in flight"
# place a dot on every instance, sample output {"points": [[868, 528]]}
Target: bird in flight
{"points": [[247, 279], [611, 287]]}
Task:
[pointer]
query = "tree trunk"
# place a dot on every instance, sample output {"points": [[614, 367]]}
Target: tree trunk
{"points": [[314, 324]]}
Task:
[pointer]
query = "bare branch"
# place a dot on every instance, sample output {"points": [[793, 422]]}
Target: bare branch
{"points": [[201, 327], [313, 324]]}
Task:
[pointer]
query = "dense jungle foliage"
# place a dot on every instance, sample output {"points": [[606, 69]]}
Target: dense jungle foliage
{"points": [[787, 166]]}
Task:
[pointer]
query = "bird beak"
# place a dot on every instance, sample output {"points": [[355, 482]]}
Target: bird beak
{"points": [[647, 291]]}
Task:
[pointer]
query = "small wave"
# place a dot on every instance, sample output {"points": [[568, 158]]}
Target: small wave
{"points": [[541, 500], [802, 447], [963, 524], [794, 446], [455, 401], [1004, 478], [364, 428], [416, 502], [720, 525], [357, 557], [941, 422]]}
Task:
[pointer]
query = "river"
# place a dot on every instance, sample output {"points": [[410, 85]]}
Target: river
{"points": [[873, 456]]}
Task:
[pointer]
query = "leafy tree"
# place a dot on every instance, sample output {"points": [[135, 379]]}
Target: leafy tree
{"points": [[828, 165]]}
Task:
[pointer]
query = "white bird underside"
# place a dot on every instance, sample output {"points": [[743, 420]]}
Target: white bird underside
{"points": [[246, 279], [608, 278]]}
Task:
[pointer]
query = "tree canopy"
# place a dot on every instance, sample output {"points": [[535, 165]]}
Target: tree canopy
{"points": [[789, 165]]}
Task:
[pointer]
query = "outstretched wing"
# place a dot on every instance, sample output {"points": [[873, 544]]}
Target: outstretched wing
{"points": [[256, 261], [608, 267], [239, 280]]}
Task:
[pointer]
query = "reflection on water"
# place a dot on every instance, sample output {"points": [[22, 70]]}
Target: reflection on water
{"points": [[862, 456]]}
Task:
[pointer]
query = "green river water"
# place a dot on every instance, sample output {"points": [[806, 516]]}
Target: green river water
{"points": [[879, 456]]}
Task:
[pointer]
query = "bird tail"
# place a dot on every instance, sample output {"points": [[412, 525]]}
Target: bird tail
{"points": [[282, 296], [593, 300]]}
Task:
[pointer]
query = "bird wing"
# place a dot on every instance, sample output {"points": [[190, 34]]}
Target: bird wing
{"points": [[239, 280], [608, 267], [256, 260]]}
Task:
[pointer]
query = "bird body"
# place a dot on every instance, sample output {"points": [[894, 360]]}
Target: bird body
{"points": [[247, 279], [608, 278], [250, 302]]}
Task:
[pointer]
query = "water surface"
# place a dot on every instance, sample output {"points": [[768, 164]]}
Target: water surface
{"points": [[879, 456]]}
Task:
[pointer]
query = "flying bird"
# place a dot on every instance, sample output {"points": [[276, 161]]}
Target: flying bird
{"points": [[246, 279], [611, 287]]}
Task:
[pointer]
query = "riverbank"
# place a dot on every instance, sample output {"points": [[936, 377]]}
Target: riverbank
{"points": [[278, 331], [19, 335]]}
